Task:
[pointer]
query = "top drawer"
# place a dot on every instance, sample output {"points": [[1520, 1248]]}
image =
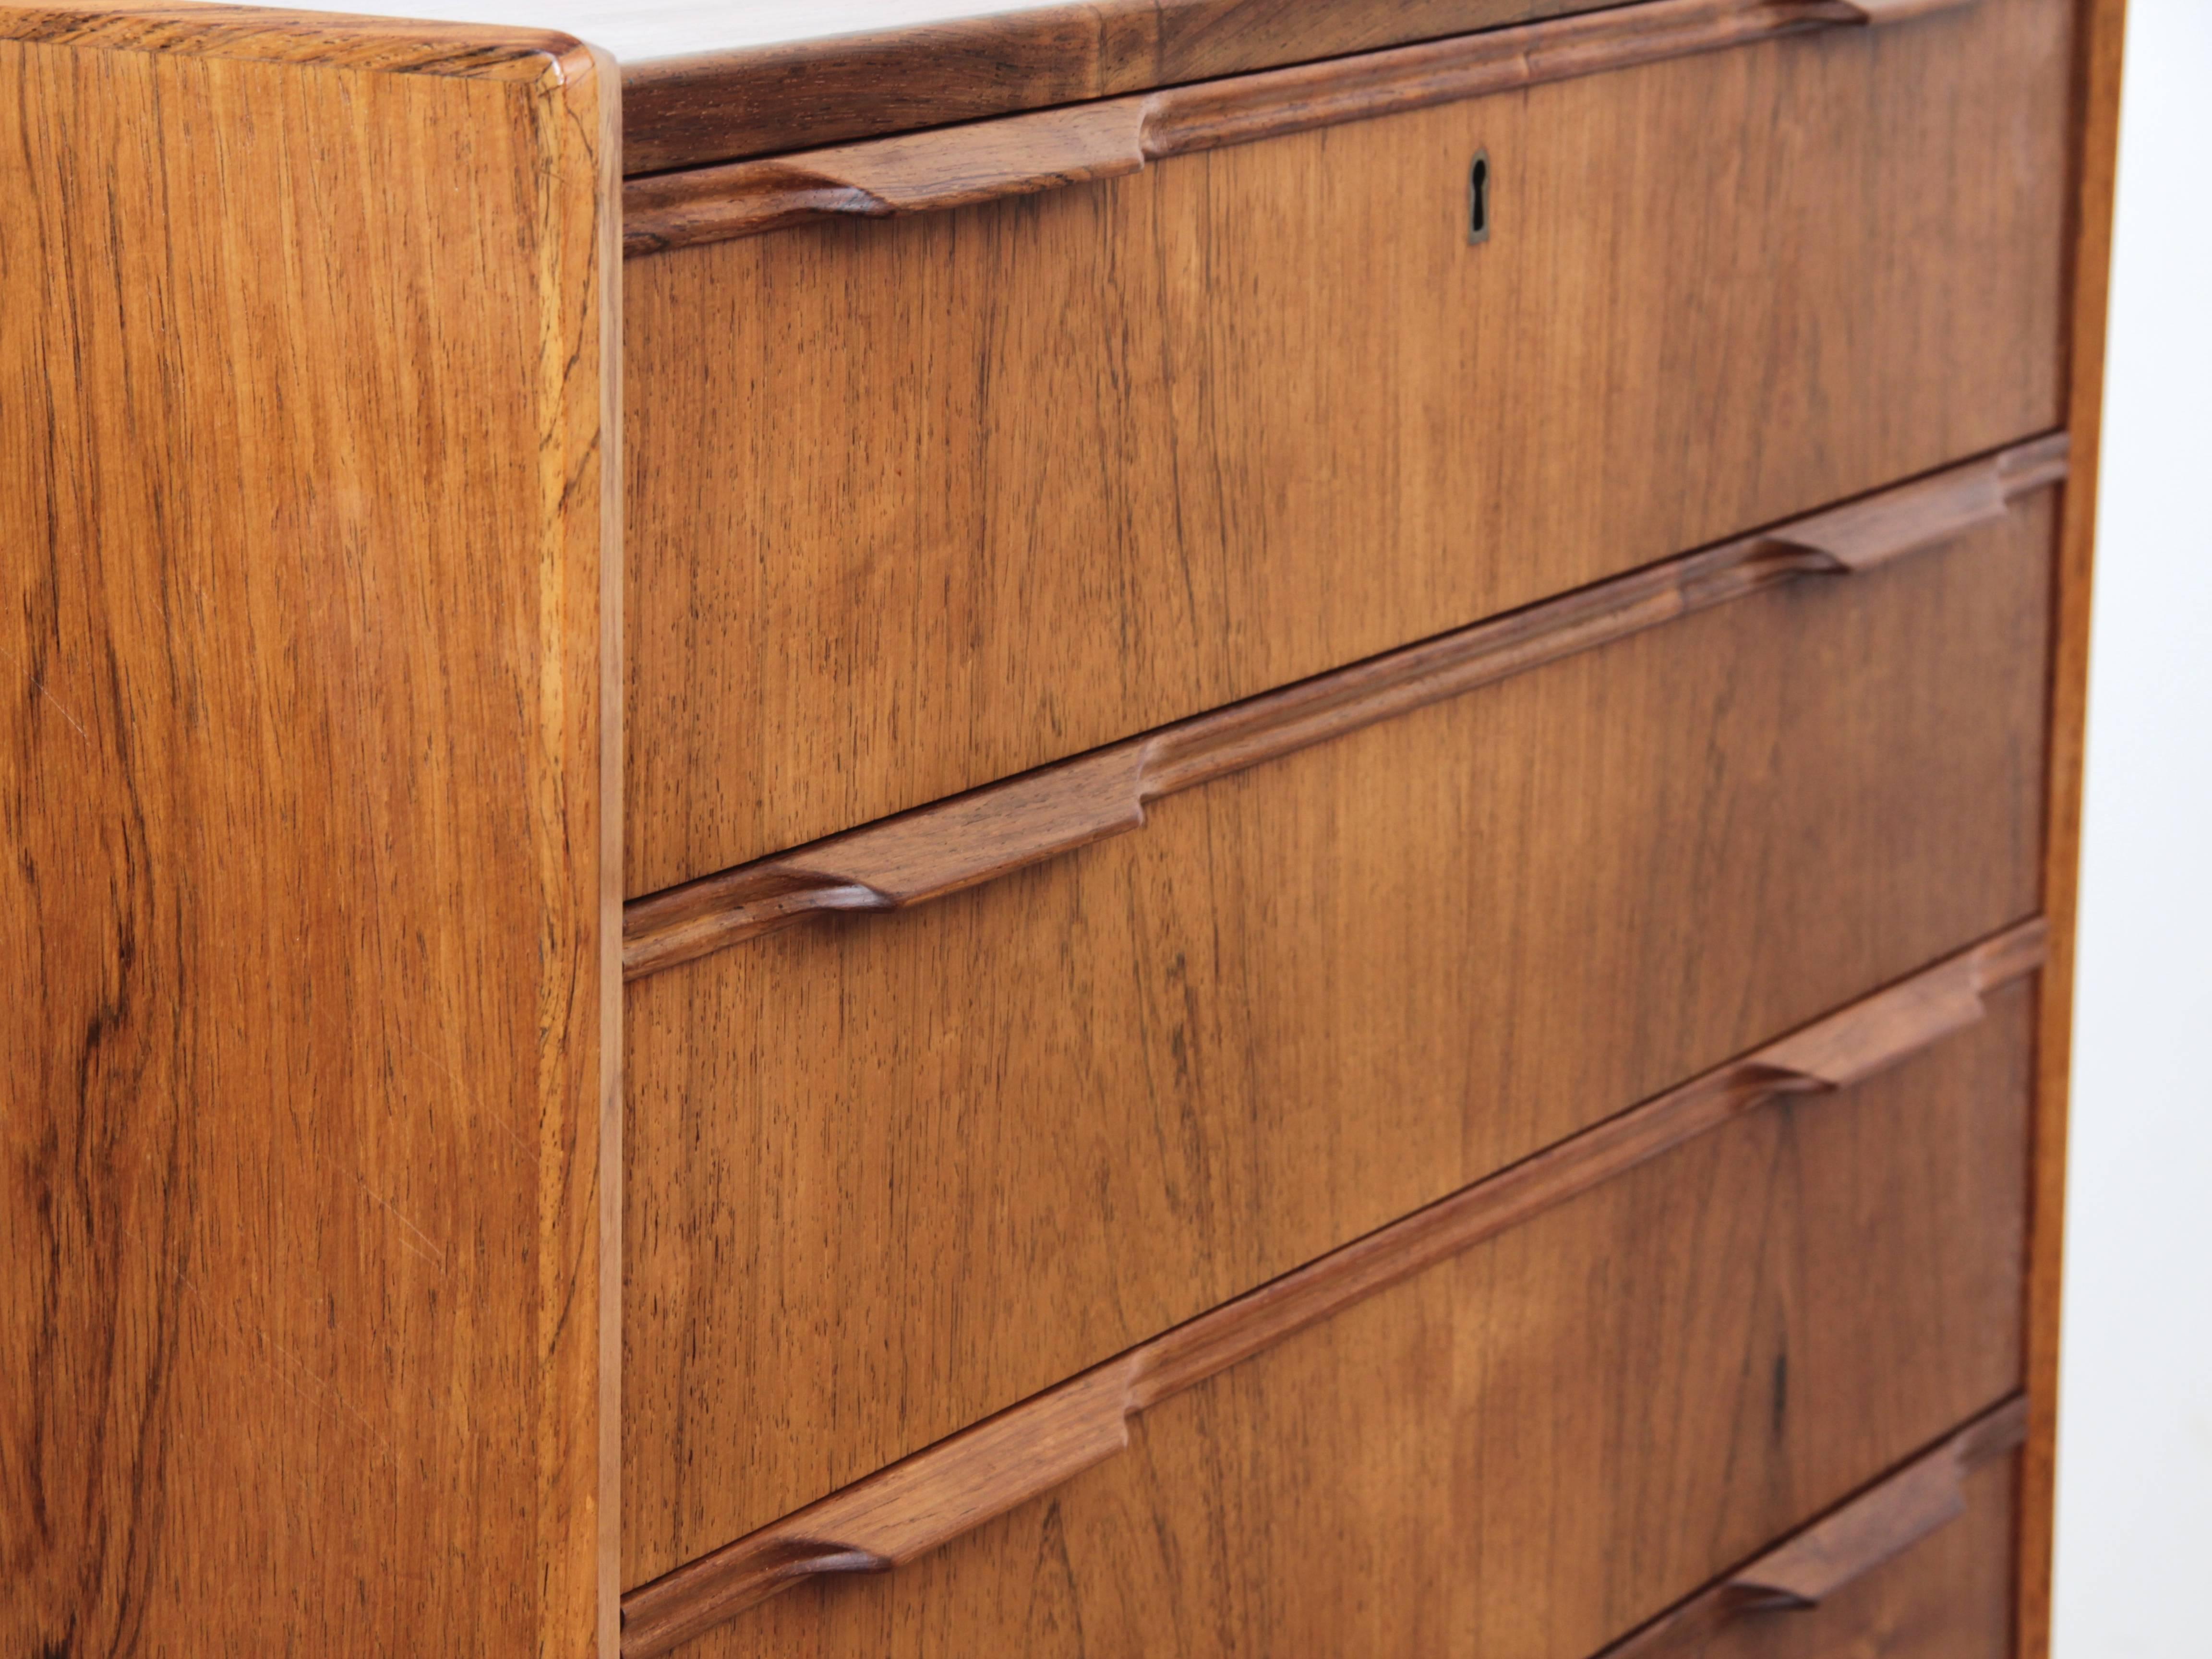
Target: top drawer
{"points": [[915, 504]]}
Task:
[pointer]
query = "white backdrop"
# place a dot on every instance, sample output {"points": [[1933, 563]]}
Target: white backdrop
{"points": [[2135, 1454]]}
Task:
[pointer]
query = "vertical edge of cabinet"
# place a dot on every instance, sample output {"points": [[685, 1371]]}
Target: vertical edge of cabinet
{"points": [[607, 1629], [311, 545], [2101, 25]]}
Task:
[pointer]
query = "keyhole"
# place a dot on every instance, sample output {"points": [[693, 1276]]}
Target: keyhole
{"points": [[1478, 198]]}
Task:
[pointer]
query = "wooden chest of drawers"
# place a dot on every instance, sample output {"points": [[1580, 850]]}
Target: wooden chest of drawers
{"points": [[1149, 829]]}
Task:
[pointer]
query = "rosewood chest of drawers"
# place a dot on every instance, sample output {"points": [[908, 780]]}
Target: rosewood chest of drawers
{"points": [[1175, 827]]}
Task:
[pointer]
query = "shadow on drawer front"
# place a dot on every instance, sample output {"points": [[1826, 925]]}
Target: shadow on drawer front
{"points": [[887, 1174], [917, 504], [1558, 1433]]}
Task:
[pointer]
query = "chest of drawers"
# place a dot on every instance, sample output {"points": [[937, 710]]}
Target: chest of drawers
{"points": [[1183, 827]]}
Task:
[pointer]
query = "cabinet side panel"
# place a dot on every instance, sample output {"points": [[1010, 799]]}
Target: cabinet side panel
{"points": [[2097, 108], [302, 535]]}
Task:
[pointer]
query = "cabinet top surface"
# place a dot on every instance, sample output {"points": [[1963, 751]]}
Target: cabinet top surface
{"points": [[683, 28]]}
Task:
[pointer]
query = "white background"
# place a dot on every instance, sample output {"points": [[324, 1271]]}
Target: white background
{"points": [[2134, 1445]]}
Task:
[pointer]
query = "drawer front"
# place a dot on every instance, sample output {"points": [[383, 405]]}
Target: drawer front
{"points": [[1950, 1597], [1552, 1437], [1866, 1580], [917, 504], [887, 1174]]}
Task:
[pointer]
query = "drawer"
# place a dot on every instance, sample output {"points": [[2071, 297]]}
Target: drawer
{"points": [[1541, 1440], [918, 503], [886, 1175], [1920, 1566]]}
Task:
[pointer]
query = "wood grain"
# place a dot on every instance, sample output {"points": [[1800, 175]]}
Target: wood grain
{"points": [[1949, 1598], [312, 586], [890, 1174], [1252, 473], [715, 106], [1020, 155], [1548, 1439], [681, 113], [310, 39], [1806, 1571], [2089, 230], [924, 1502], [956, 844]]}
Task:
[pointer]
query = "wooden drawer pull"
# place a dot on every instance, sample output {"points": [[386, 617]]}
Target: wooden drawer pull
{"points": [[1017, 154], [922, 1501], [1804, 1571], [969, 839]]}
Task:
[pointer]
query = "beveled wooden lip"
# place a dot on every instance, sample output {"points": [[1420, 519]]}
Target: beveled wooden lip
{"points": [[726, 106], [1021, 154], [1799, 1573], [924, 1500], [972, 838], [716, 107]]}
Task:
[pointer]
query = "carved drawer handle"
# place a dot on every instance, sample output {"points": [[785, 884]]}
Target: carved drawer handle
{"points": [[956, 843], [926, 1500], [1877, 1526], [1018, 154]]}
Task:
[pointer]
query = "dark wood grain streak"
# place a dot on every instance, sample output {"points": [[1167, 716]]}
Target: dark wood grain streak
{"points": [[1019, 154], [310, 609], [926, 1500], [1807, 1570], [958, 843]]}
